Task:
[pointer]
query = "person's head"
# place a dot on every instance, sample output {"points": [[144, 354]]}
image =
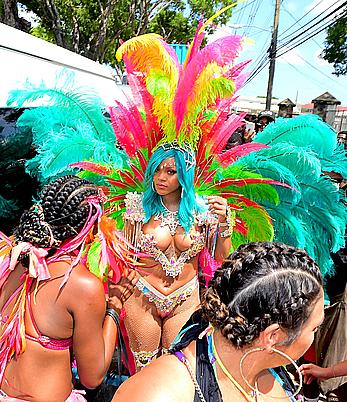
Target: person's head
{"points": [[61, 213], [264, 118], [342, 137], [171, 169], [266, 292]]}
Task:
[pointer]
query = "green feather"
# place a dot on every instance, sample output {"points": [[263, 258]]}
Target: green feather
{"points": [[258, 224], [93, 258]]}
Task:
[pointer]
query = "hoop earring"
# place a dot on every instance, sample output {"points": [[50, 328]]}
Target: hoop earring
{"points": [[153, 188], [255, 389]]}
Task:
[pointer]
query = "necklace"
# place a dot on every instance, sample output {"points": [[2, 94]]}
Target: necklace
{"points": [[168, 218], [228, 374]]}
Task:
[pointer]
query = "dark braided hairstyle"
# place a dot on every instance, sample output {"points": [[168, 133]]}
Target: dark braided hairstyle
{"points": [[61, 213], [259, 285]]}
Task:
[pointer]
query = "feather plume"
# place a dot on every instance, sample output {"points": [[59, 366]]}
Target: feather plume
{"points": [[237, 152]]}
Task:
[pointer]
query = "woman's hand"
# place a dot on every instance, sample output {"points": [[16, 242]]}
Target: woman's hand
{"points": [[218, 206], [311, 372], [119, 293]]}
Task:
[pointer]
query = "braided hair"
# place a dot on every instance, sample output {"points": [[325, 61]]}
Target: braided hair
{"points": [[61, 213], [261, 284]]}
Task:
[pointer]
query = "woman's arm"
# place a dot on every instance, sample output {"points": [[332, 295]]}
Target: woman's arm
{"points": [[312, 371], [94, 334], [218, 205]]}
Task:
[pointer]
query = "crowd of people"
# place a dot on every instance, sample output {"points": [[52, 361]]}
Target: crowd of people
{"points": [[175, 264]]}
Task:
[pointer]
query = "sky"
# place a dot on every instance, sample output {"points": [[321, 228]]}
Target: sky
{"points": [[301, 74]]}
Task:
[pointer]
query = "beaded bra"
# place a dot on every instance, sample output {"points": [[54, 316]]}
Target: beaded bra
{"points": [[146, 243]]}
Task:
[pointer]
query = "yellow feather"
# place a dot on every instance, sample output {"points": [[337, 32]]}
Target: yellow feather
{"points": [[218, 13], [147, 53]]}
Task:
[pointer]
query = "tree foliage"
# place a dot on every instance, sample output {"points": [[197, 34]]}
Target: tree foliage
{"points": [[94, 28], [335, 51]]}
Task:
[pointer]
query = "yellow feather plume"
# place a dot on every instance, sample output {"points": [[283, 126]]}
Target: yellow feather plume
{"points": [[147, 52]]}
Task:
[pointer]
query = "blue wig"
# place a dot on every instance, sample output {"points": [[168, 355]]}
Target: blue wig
{"points": [[189, 203]]}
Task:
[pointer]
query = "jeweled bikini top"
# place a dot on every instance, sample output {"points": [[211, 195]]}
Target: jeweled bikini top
{"points": [[146, 243]]}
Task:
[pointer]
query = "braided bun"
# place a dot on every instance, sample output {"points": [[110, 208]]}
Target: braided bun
{"points": [[62, 212], [261, 284]]}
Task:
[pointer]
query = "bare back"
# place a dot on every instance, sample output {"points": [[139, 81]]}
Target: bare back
{"points": [[42, 374]]}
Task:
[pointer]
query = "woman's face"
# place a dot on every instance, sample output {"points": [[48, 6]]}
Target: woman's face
{"points": [[165, 177], [306, 337]]}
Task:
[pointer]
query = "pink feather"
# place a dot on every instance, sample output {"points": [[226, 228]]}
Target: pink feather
{"points": [[230, 156], [222, 51], [134, 122], [225, 130], [124, 137], [196, 43]]}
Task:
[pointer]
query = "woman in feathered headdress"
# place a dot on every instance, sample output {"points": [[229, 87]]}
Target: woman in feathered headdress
{"points": [[174, 133]]}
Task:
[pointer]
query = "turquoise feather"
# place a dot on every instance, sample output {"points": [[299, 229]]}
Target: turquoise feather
{"points": [[307, 131], [74, 129], [314, 216]]}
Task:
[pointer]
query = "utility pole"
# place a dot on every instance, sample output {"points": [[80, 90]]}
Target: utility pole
{"points": [[272, 54]]}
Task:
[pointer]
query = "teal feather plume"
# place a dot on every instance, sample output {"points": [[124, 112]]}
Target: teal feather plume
{"points": [[337, 162], [314, 216], [83, 102], [303, 131], [72, 129]]}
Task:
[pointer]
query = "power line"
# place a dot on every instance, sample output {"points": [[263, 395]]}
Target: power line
{"points": [[297, 22], [311, 9], [291, 38], [309, 36]]}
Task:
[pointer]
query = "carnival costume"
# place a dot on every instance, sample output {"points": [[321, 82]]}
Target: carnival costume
{"points": [[274, 185]]}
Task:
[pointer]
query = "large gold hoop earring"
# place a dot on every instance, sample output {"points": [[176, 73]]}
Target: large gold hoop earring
{"points": [[255, 389]]}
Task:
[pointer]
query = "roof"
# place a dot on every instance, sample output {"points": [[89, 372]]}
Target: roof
{"points": [[326, 98], [286, 102]]}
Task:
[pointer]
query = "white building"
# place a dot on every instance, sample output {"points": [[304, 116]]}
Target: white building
{"points": [[24, 57]]}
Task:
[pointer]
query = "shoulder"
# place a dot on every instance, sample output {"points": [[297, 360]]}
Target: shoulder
{"points": [[166, 379], [134, 211], [81, 282]]}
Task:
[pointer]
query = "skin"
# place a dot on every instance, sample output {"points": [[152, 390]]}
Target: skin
{"points": [[179, 387], [164, 329], [312, 371], [78, 310]]}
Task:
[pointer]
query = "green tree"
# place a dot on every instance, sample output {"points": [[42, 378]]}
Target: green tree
{"points": [[93, 28], [335, 51]]}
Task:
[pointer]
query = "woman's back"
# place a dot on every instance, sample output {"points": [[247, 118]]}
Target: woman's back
{"points": [[49, 330]]}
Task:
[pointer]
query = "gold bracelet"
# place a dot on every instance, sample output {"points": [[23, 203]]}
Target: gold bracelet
{"points": [[230, 222]]}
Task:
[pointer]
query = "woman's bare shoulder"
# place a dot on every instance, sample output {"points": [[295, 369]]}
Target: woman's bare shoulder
{"points": [[166, 379]]}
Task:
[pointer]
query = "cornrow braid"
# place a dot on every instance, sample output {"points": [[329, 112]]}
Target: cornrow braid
{"points": [[261, 284], [62, 212]]}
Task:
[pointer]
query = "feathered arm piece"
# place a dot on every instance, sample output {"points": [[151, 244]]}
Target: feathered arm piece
{"points": [[110, 254]]}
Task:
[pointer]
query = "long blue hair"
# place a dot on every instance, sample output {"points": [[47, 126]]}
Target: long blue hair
{"points": [[189, 203]]}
